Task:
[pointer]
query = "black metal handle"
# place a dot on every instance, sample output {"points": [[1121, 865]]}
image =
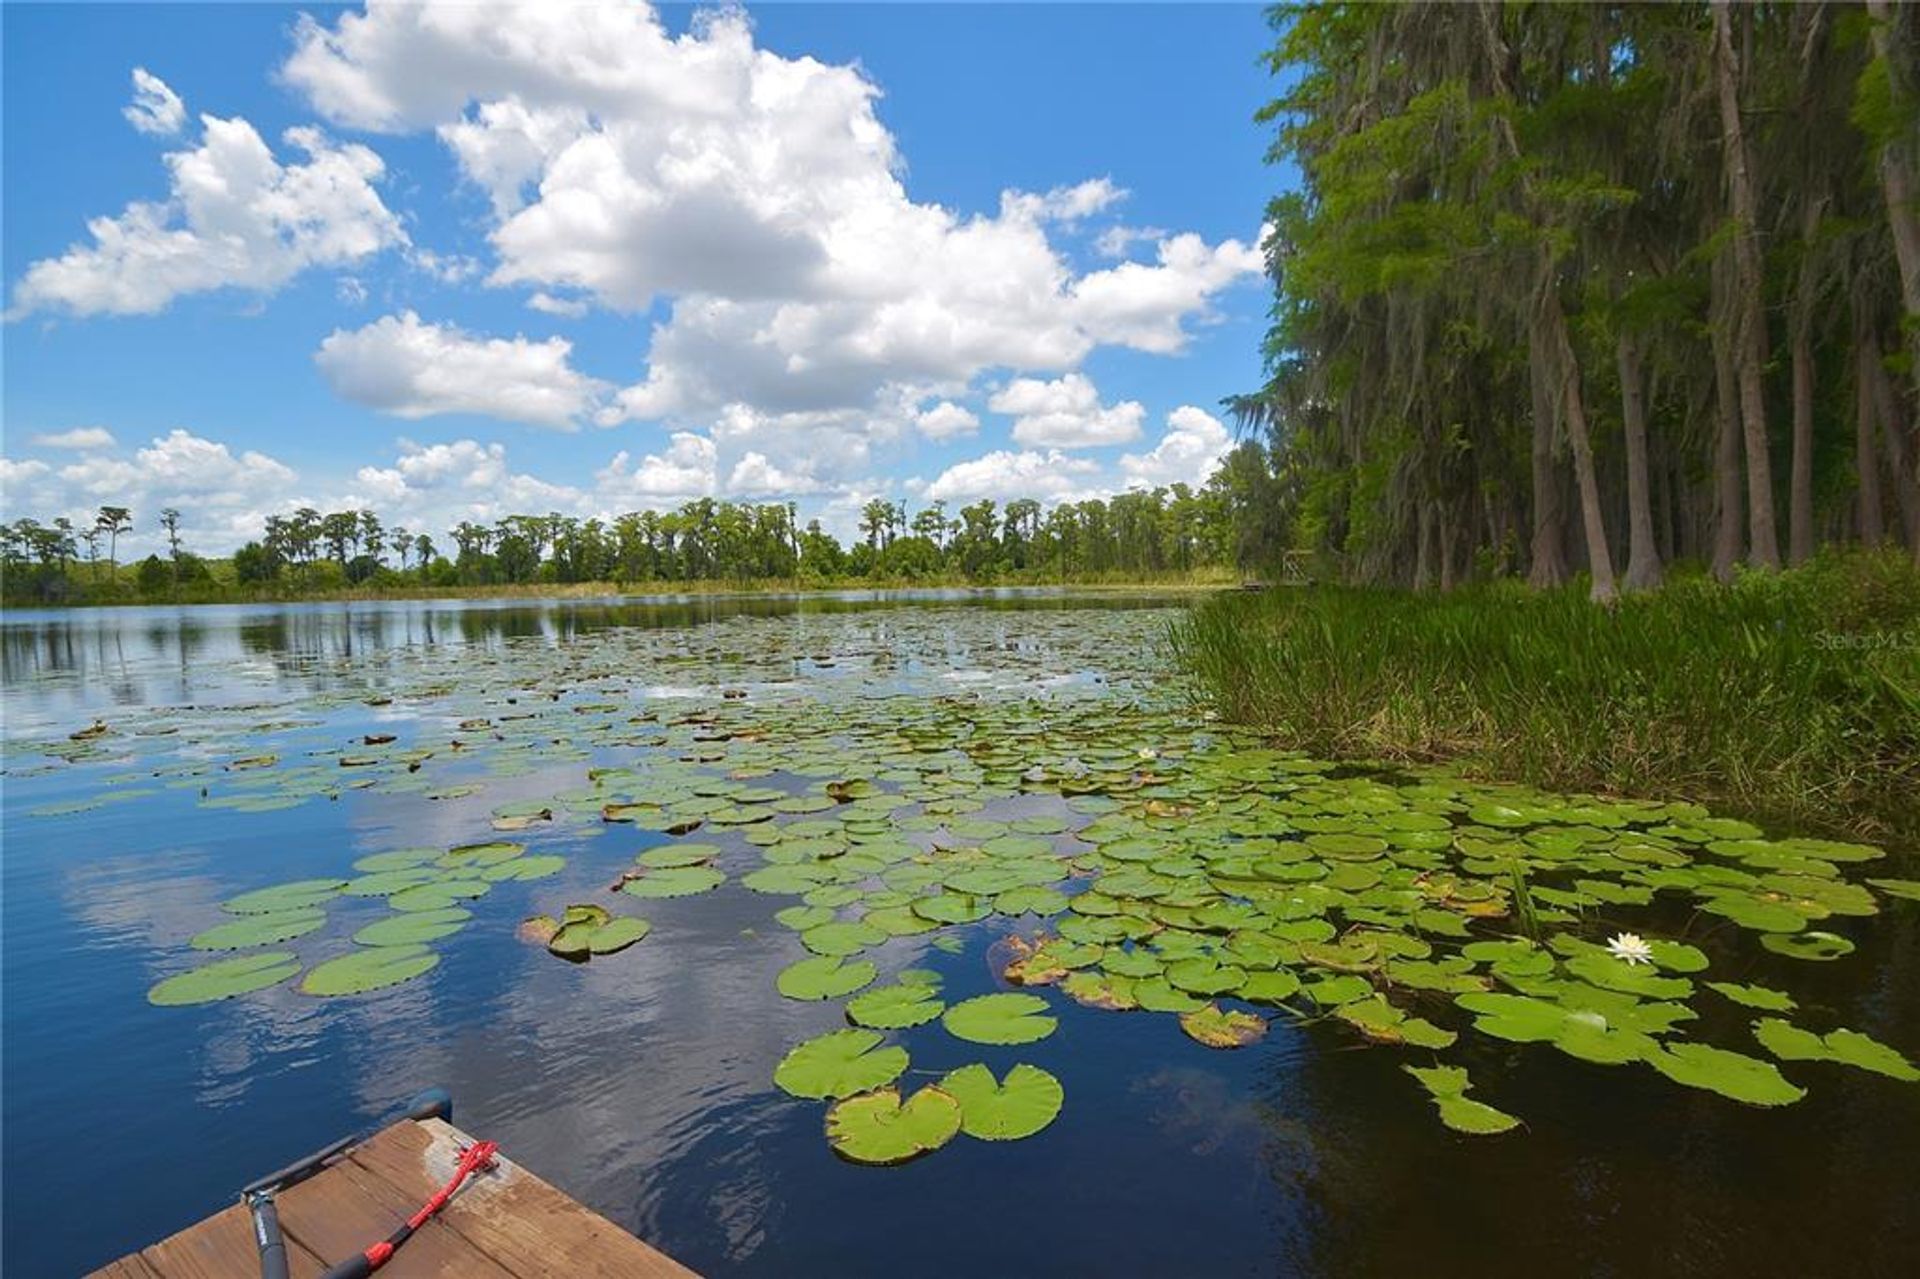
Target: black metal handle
{"points": [[267, 1237]]}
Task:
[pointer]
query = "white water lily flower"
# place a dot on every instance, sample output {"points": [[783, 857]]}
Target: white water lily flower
{"points": [[1630, 948]]}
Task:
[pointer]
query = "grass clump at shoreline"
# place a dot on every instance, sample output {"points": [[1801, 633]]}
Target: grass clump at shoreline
{"points": [[1794, 695]]}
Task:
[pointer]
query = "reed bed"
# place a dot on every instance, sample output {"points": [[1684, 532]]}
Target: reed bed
{"points": [[1794, 696]]}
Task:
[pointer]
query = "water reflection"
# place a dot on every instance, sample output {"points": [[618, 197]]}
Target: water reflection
{"points": [[642, 1086]]}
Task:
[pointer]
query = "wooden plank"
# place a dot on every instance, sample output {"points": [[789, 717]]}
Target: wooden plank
{"points": [[346, 1208], [130, 1267], [523, 1223], [222, 1247]]}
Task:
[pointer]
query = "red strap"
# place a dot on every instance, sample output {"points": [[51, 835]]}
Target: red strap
{"points": [[473, 1159]]}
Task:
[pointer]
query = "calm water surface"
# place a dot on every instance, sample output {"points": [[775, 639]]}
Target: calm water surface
{"points": [[642, 1084]]}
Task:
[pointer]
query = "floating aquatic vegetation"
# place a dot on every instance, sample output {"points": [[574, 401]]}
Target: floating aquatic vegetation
{"points": [[896, 1007], [1448, 1087], [1141, 863], [374, 968], [225, 979], [1020, 1105], [260, 930], [839, 1064], [825, 977], [999, 1019], [878, 1128]]}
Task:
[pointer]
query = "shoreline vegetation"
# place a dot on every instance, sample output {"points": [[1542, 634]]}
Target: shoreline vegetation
{"points": [[1194, 581], [1792, 695]]}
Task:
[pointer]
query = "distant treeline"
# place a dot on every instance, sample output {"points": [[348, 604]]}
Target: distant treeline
{"points": [[1593, 287], [1220, 528]]}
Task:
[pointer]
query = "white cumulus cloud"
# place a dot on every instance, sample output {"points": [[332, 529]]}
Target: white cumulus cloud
{"points": [[1188, 453], [1065, 413], [759, 195], [235, 217], [404, 366], [80, 439], [1004, 475], [155, 109], [946, 420], [685, 470]]}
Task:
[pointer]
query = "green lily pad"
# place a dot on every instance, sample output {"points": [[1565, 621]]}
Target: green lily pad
{"points": [[398, 859], [895, 1007], [413, 927], [375, 968], [440, 894], [259, 930], [825, 977], [839, 1064], [617, 934], [521, 869], [1790, 1043], [878, 1128], [384, 883], [1022, 1104], [1269, 988], [1156, 995], [672, 855], [224, 979], [1761, 997], [1448, 1087], [302, 894], [1731, 1074], [1000, 1019], [1817, 946], [674, 881], [842, 937]]}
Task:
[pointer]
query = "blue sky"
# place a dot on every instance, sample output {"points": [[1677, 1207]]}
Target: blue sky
{"points": [[454, 264]]}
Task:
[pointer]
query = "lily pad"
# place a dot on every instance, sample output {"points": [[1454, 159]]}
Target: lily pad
{"points": [[259, 930], [895, 1007], [1762, 997], [302, 894], [1448, 1087], [825, 977], [413, 927], [1730, 1074], [878, 1128], [1217, 1029], [674, 881], [1818, 946], [839, 1064], [842, 937], [1000, 1019], [1022, 1104], [224, 979], [1790, 1043], [375, 968], [521, 869]]}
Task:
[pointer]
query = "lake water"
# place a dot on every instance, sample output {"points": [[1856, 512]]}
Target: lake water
{"points": [[235, 756]]}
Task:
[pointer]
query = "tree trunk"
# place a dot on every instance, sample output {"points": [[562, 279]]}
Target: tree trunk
{"points": [[1865, 454], [1549, 552], [1897, 183], [1549, 323], [1750, 324], [1800, 484], [1893, 435], [1423, 552], [1726, 446], [1592, 519], [1643, 556]]}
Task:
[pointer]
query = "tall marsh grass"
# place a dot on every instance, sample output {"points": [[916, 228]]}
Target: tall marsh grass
{"points": [[1794, 695]]}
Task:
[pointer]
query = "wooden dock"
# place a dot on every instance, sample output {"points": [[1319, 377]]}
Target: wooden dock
{"points": [[502, 1222]]}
